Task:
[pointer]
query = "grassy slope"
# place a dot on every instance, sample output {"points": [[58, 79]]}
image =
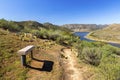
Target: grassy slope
{"points": [[109, 34], [45, 31], [109, 66], [10, 66], [9, 61], [16, 35], [11, 43]]}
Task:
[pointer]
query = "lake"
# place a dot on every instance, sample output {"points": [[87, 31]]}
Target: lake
{"points": [[83, 34]]}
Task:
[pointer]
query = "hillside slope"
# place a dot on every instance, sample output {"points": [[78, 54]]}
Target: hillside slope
{"points": [[108, 34], [56, 48], [17, 35], [84, 27], [10, 65]]}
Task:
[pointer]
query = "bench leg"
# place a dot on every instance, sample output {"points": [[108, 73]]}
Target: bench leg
{"points": [[23, 60], [32, 54]]}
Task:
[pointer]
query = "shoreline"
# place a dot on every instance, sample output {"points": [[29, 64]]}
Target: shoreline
{"points": [[96, 39]]}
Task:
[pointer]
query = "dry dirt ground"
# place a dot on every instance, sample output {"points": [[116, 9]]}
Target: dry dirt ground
{"points": [[72, 69], [46, 65], [49, 65]]}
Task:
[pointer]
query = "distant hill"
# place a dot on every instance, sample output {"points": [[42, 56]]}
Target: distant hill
{"points": [[25, 26], [110, 33], [30, 24], [44, 31], [84, 27]]}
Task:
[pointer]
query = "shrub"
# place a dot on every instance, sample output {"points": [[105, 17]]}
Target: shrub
{"points": [[117, 51], [10, 25], [109, 69], [91, 56]]}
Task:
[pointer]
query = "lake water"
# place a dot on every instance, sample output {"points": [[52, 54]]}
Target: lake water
{"points": [[83, 34]]}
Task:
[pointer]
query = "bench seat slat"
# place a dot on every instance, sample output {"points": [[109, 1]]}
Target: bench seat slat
{"points": [[25, 50]]}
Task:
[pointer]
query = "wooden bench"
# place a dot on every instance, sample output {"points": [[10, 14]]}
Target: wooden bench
{"points": [[23, 52]]}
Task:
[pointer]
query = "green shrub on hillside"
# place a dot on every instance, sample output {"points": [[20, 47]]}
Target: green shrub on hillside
{"points": [[91, 56], [10, 25], [45, 31], [117, 52], [109, 61], [109, 69]]}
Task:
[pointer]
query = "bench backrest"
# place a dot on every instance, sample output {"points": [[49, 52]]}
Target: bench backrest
{"points": [[25, 50]]}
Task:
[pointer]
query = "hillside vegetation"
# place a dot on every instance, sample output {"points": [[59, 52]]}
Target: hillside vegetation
{"points": [[108, 34], [10, 63], [101, 60], [16, 35]]}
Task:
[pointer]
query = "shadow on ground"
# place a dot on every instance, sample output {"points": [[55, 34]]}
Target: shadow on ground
{"points": [[47, 65]]}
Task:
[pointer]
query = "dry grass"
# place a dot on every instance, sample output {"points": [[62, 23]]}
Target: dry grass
{"points": [[10, 64], [108, 34]]}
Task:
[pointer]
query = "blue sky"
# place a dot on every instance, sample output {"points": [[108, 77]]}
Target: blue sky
{"points": [[62, 11]]}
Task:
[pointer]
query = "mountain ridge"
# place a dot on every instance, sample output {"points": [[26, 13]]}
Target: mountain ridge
{"points": [[84, 27]]}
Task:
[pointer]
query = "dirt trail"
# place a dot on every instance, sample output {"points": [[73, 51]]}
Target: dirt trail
{"points": [[70, 65], [60, 68]]}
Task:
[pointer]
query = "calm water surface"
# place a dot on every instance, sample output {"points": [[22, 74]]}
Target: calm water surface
{"points": [[83, 34]]}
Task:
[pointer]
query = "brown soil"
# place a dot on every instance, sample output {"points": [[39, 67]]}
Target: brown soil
{"points": [[46, 65], [49, 65], [72, 69]]}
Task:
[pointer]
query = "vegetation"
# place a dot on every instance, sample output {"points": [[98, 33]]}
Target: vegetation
{"points": [[9, 61], [109, 67], [91, 56], [16, 35], [103, 59], [44, 31], [10, 25], [10, 43]]}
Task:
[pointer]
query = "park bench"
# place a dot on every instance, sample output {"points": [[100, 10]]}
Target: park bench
{"points": [[23, 52]]}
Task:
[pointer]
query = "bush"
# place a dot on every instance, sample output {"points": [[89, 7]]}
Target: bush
{"points": [[91, 56], [109, 69], [10, 25], [117, 52]]}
